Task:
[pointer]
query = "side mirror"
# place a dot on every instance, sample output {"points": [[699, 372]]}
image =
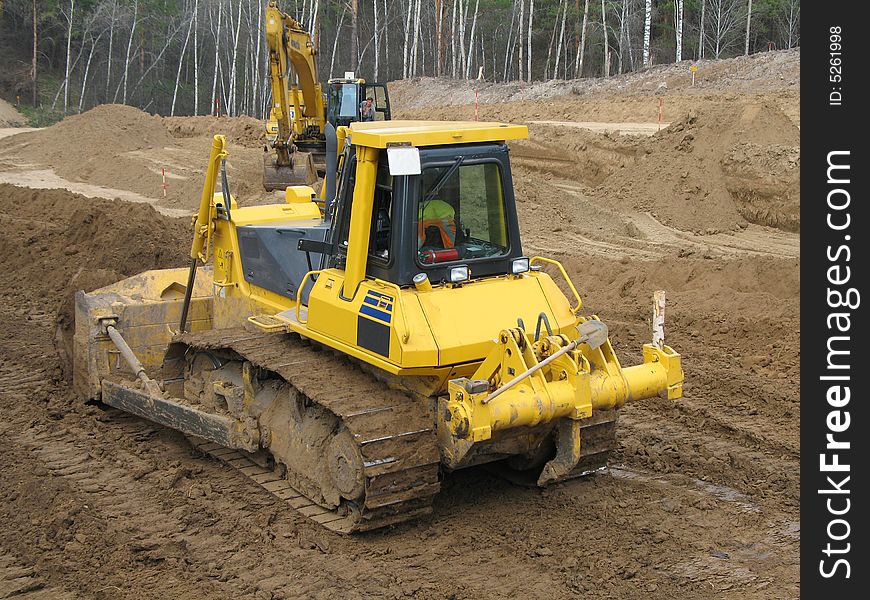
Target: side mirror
{"points": [[404, 160]]}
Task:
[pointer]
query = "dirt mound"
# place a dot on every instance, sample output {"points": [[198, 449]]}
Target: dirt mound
{"points": [[103, 129], [764, 181], [680, 179], [55, 243], [9, 117], [244, 131], [124, 148], [98, 147], [763, 71]]}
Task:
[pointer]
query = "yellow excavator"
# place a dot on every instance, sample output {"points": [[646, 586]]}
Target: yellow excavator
{"points": [[347, 354], [295, 130]]}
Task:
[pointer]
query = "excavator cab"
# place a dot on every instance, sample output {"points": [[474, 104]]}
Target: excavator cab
{"points": [[345, 97]]}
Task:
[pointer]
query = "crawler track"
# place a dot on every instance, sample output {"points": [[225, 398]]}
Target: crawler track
{"points": [[393, 432]]}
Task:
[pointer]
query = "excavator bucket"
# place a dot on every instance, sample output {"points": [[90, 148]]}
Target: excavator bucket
{"points": [[301, 171]]}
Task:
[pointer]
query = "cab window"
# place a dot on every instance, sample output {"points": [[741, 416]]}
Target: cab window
{"points": [[343, 100], [461, 213], [379, 239]]}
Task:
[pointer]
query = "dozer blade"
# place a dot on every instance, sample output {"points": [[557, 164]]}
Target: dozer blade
{"points": [[301, 171]]}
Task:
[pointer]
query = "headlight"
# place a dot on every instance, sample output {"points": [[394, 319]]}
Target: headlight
{"points": [[458, 274], [520, 265]]}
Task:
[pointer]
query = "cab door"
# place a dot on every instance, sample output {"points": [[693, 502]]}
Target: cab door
{"points": [[378, 91]]}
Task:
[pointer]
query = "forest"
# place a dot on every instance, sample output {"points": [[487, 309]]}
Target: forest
{"points": [[194, 57]]}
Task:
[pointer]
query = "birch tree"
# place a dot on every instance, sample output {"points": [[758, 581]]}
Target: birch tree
{"points": [[84, 89], [335, 42], [178, 71], [520, 37], [581, 50], [405, 54], [529, 38], [563, 6], [215, 109], [788, 18], [748, 24], [678, 18], [196, 58], [377, 41], [471, 40], [647, 24], [69, 18], [724, 19], [354, 34], [129, 46], [606, 70], [112, 21], [508, 52]]}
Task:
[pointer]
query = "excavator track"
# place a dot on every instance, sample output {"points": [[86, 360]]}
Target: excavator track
{"points": [[393, 432]]}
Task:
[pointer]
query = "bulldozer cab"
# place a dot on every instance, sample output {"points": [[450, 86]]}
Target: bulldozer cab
{"points": [[345, 98], [454, 219]]}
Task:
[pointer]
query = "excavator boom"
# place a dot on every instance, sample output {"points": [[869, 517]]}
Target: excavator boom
{"points": [[298, 114]]}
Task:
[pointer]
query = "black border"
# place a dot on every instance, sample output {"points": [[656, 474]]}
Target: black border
{"points": [[826, 128]]}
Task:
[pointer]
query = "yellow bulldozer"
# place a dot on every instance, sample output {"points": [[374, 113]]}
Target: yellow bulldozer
{"points": [[346, 354]]}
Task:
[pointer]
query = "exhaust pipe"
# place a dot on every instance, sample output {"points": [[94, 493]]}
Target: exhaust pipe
{"points": [[331, 165]]}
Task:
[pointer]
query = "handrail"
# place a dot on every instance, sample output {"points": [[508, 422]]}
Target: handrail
{"points": [[576, 309], [405, 333], [299, 295]]}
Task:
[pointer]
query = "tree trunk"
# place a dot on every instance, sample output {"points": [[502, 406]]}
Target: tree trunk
{"points": [[415, 45], [354, 34], [606, 42], [439, 47], [178, 71], [509, 49], [471, 40], [628, 17], [520, 37], [748, 24], [335, 41], [701, 40], [529, 52], [647, 23], [453, 54], [405, 55], [678, 14], [72, 6], [234, 68], [550, 50], [33, 80], [109, 53], [377, 40], [386, 44], [463, 16], [623, 17], [87, 70], [564, 8], [215, 107], [129, 47], [581, 50], [196, 58]]}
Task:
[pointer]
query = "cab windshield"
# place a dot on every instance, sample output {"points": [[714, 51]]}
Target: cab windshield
{"points": [[461, 213], [342, 101]]}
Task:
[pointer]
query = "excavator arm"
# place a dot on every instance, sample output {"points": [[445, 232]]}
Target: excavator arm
{"points": [[290, 44]]}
